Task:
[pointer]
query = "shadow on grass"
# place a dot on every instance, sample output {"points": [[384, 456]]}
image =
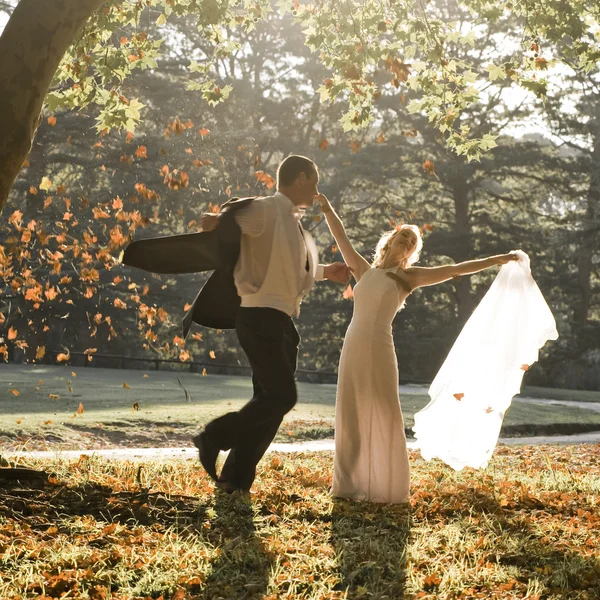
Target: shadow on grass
{"points": [[239, 567], [242, 567], [370, 542]]}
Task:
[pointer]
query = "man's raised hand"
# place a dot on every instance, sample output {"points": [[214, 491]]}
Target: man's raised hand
{"points": [[209, 221]]}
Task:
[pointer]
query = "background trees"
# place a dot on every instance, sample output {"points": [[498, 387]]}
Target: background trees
{"points": [[84, 191]]}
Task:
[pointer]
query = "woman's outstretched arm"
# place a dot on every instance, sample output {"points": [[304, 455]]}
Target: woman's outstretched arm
{"points": [[421, 276], [353, 259]]}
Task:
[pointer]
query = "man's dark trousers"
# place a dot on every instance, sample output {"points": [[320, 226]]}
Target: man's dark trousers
{"points": [[270, 341]]}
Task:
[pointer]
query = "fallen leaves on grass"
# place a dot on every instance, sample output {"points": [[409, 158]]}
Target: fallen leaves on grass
{"points": [[526, 527]]}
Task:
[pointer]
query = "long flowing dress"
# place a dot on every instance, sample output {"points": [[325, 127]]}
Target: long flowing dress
{"points": [[371, 458]]}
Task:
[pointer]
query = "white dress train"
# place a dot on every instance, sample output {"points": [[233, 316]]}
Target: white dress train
{"points": [[484, 370], [371, 458]]}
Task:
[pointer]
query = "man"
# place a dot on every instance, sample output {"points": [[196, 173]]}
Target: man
{"points": [[277, 266]]}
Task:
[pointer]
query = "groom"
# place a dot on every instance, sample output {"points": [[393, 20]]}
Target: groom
{"points": [[277, 266]]}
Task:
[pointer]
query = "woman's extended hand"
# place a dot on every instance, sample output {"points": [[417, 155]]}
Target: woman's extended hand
{"points": [[502, 259]]}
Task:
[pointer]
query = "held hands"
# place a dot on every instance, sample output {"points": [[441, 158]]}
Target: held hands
{"points": [[323, 202], [338, 272], [209, 221]]}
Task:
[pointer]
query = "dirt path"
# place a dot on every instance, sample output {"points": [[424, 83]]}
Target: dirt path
{"points": [[310, 446]]}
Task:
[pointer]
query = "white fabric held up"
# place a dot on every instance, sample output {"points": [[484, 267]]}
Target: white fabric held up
{"points": [[484, 370]]}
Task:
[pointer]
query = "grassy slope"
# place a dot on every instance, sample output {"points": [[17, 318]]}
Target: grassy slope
{"points": [[526, 527], [173, 406]]}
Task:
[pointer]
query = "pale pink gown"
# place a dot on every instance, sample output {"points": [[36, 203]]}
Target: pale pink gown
{"points": [[371, 458]]}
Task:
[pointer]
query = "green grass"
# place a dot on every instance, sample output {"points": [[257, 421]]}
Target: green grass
{"points": [[558, 394], [137, 408], [526, 527]]}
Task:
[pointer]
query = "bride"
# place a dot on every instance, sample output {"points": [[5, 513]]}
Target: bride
{"points": [[371, 458]]}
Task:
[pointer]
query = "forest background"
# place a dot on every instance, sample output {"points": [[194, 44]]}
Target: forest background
{"points": [[84, 192]]}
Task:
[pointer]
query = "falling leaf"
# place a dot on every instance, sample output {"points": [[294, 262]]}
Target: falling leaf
{"points": [[265, 178], [48, 422], [524, 367], [53, 396], [80, 408], [323, 144], [40, 352], [429, 166], [459, 396], [15, 392], [62, 357], [428, 227], [136, 406], [197, 336], [204, 132], [12, 333], [19, 421], [52, 121], [73, 374], [380, 138], [126, 386], [355, 146], [146, 375], [489, 409], [348, 293], [212, 354], [184, 355], [204, 373]]}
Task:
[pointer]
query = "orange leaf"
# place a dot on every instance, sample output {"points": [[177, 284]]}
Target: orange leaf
{"points": [[141, 152], [204, 373], [459, 396], [40, 352], [348, 293], [323, 144], [355, 146], [12, 333], [52, 121], [428, 227], [53, 396], [524, 367], [15, 392], [126, 386], [136, 406], [212, 354], [429, 166], [80, 408]]}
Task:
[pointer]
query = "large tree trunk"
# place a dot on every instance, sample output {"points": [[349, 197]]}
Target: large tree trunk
{"points": [[588, 243], [462, 227], [32, 45]]}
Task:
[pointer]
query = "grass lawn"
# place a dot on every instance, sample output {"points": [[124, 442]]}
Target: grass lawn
{"points": [[526, 527], [135, 408]]}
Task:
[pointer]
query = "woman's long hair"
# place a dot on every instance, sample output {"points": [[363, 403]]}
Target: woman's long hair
{"points": [[385, 241]]}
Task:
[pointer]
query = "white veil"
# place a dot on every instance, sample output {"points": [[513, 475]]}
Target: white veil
{"points": [[484, 370]]}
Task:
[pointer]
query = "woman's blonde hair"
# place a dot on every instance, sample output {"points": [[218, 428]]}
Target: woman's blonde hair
{"points": [[385, 241]]}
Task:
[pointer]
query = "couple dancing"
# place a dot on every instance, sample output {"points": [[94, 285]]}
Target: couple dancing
{"points": [[276, 267]]}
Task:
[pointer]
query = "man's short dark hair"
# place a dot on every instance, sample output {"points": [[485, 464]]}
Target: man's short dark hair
{"points": [[292, 166]]}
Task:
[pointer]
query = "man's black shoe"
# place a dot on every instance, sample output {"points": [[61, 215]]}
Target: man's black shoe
{"points": [[208, 454]]}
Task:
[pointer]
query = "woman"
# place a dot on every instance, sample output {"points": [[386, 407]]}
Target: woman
{"points": [[371, 459]]}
